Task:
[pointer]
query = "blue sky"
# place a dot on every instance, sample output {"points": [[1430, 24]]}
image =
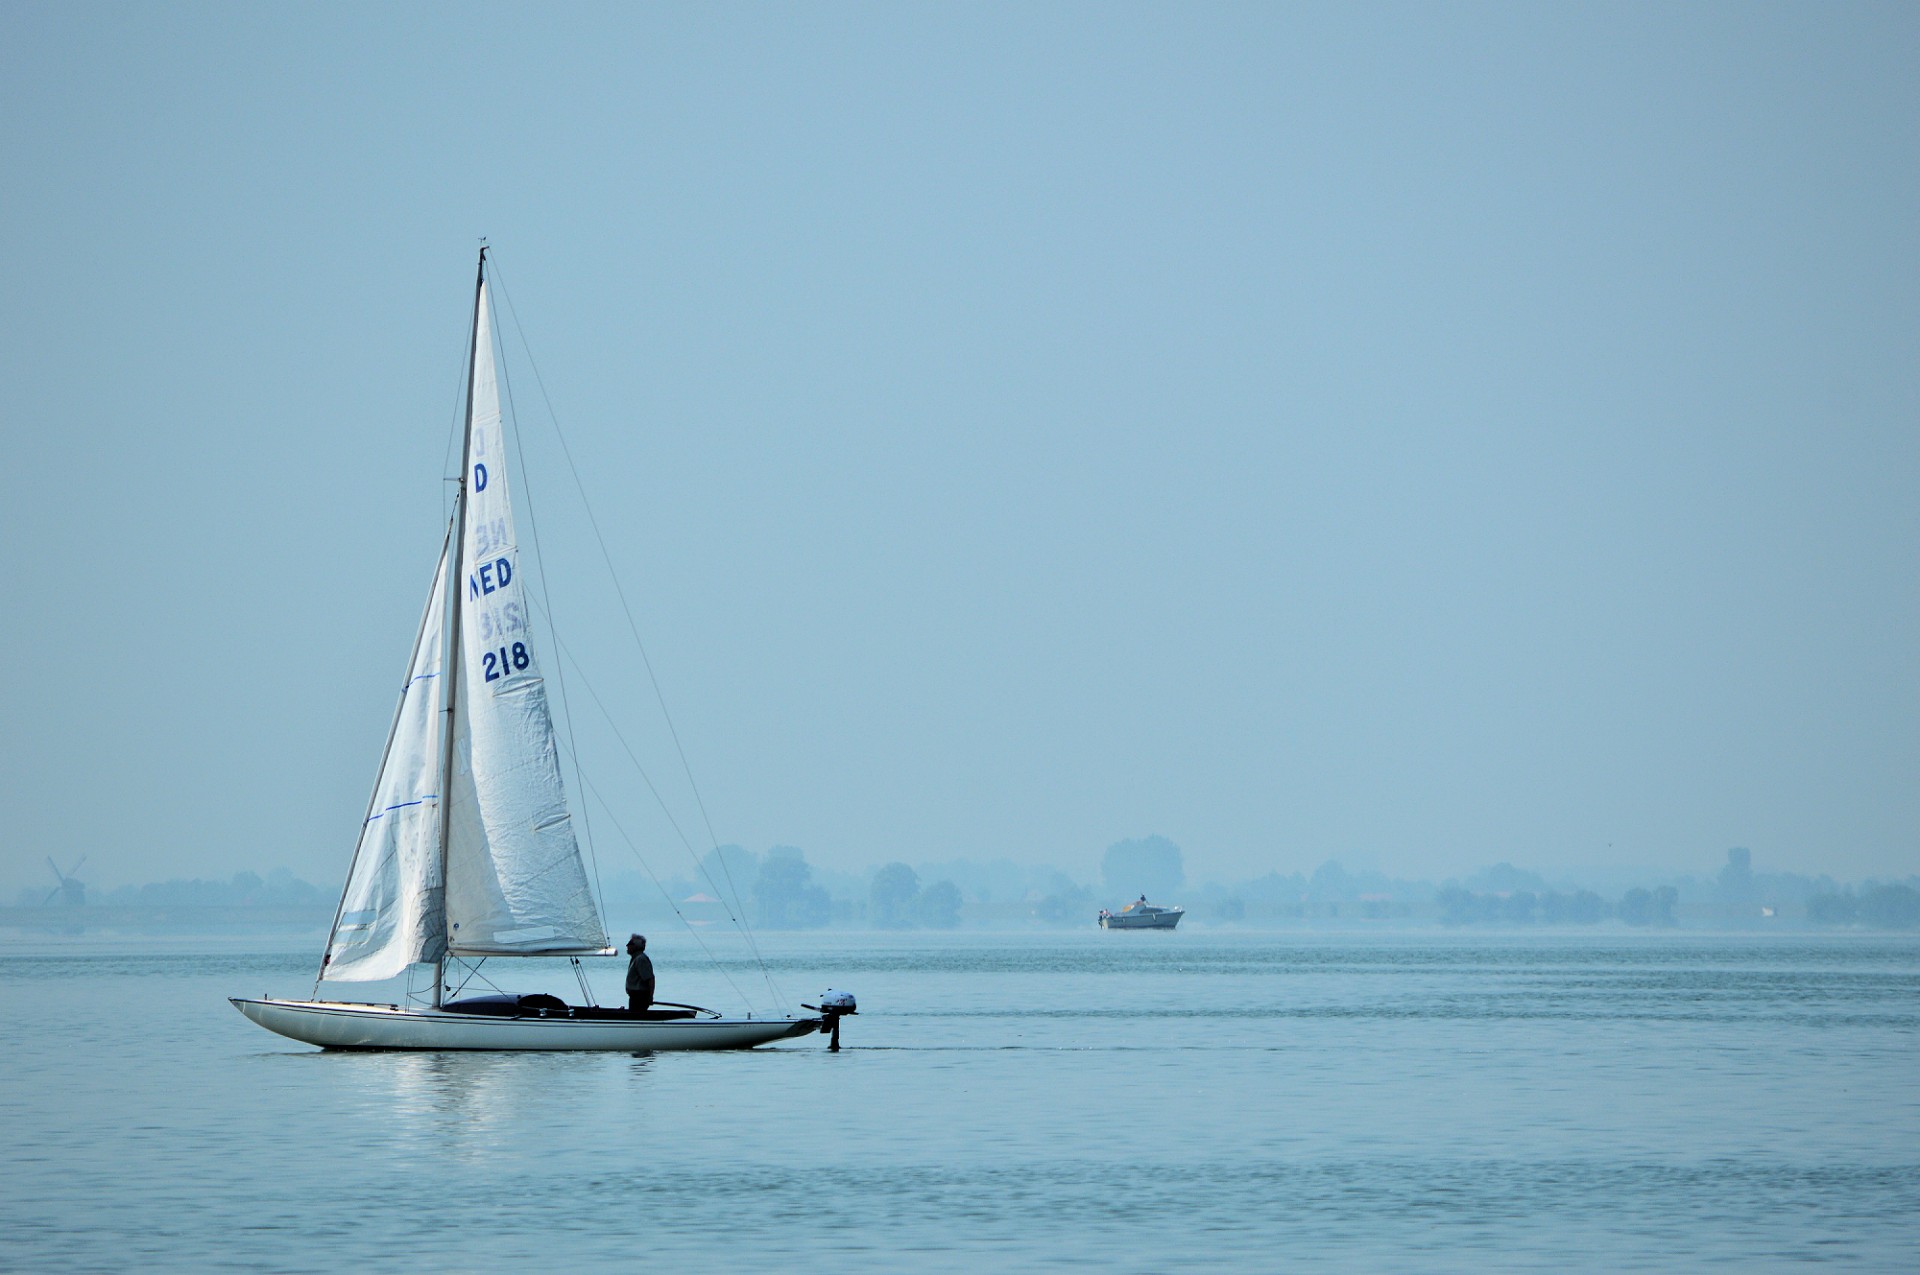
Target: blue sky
{"points": [[1415, 435]]}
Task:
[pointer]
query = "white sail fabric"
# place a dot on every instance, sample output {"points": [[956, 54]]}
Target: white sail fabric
{"points": [[392, 913], [515, 881]]}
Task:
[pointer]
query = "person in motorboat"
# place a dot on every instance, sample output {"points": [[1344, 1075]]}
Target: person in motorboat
{"points": [[639, 975]]}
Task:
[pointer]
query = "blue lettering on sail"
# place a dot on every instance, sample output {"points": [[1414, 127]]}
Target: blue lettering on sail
{"points": [[498, 622], [489, 537], [491, 577], [479, 477]]}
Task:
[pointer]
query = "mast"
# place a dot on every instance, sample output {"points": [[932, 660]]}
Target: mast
{"points": [[452, 639]]}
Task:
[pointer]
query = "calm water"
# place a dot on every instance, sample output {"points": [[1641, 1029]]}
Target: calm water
{"points": [[1148, 1102]]}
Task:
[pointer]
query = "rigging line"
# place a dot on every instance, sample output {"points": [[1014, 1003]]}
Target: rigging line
{"points": [[546, 606], [713, 838], [658, 800], [664, 892], [698, 866], [606, 555], [473, 972]]}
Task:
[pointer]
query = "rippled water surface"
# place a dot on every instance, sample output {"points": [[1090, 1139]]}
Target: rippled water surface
{"points": [[1139, 1102]]}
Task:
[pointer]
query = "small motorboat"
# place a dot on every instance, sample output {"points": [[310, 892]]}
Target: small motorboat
{"points": [[1141, 915]]}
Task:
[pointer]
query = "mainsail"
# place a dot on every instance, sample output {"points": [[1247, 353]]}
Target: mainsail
{"points": [[511, 881], [515, 881]]}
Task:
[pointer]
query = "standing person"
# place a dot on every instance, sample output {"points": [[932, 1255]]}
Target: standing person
{"points": [[639, 975]]}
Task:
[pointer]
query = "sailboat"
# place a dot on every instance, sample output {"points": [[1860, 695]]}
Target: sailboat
{"points": [[467, 851]]}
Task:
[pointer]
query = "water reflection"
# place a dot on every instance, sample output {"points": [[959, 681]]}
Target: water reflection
{"points": [[480, 1105]]}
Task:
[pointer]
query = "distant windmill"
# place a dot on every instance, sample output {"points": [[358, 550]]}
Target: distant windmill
{"points": [[70, 886]]}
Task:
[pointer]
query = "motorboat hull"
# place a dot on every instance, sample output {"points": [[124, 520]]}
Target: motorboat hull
{"points": [[1151, 921], [345, 1025]]}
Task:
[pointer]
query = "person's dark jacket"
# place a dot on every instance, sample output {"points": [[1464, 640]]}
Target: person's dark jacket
{"points": [[640, 981]]}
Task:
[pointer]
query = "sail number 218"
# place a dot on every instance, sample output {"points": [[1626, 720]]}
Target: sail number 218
{"points": [[497, 663]]}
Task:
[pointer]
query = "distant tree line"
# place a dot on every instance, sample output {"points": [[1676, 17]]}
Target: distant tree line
{"points": [[781, 890], [278, 889], [1582, 907], [1885, 907], [898, 901]]}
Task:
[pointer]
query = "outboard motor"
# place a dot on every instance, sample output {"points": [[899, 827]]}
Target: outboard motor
{"points": [[833, 1007]]}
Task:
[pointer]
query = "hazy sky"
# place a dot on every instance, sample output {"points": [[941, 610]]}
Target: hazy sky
{"points": [[1420, 436]]}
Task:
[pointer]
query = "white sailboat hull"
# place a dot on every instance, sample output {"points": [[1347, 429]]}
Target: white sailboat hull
{"points": [[343, 1025]]}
